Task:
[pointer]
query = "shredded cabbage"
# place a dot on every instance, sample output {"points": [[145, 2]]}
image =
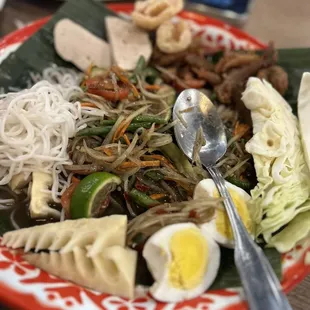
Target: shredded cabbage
{"points": [[282, 174]]}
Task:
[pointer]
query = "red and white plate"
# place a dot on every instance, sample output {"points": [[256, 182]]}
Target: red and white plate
{"points": [[23, 286]]}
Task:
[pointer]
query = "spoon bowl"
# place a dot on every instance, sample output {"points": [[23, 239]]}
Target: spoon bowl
{"points": [[196, 112]]}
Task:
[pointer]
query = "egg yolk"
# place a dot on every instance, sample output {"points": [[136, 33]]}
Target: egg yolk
{"points": [[189, 250], [222, 221]]}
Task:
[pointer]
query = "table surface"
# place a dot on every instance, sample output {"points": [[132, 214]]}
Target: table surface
{"points": [[284, 21]]}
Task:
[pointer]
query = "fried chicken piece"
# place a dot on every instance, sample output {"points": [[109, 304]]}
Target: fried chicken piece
{"points": [[162, 59], [202, 51], [236, 78], [194, 83], [277, 76], [210, 77], [169, 77], [232, 60], [196, 61], [187, 76]]}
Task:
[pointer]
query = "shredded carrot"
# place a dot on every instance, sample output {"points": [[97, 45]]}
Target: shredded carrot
{"points": [[120, 131], [107, 152], [123, 129], [157, 196], [160, 158], [88, 105], [152, 87], [130, 164], [88, 71], [123, 78], [120, 74], [126, 139], [119, 128], [104, 149], [134, 91], [241, 129]]}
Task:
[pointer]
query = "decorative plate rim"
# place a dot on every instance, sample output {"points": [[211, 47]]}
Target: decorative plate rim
{"points": [[295, 269]]}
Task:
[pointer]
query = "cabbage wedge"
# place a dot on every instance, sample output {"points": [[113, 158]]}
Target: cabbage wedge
{"points": [[282, 174], [296, 230], [303, 114]]}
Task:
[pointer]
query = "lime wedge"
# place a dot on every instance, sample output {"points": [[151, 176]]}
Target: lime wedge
{"points": [[91, 192]]}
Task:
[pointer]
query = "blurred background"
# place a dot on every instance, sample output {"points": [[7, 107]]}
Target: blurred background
{"points": [[286, 22]]}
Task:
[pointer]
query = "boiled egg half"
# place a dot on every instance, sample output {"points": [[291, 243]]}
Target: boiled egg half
{"points": [[219, 227], [184, 261]]}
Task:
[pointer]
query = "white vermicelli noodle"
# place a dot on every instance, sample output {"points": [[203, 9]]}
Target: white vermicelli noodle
{"points": [[65, 80], [62, 76], [35, 127]]}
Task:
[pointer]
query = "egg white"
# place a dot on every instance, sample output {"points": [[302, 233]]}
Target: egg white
{"points": [[207, 188], [158, 257]]}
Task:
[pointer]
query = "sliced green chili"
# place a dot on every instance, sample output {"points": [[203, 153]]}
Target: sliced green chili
{"points": [[104, 130], [142, 199]]}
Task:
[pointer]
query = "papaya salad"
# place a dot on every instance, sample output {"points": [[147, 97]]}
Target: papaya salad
{"points": [[135, 139]]}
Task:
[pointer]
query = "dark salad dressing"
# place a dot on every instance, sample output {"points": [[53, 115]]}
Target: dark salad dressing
{"points": [[17, 215]]}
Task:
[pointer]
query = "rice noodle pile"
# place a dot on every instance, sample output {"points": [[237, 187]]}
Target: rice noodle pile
{"points": [[35, 127]]}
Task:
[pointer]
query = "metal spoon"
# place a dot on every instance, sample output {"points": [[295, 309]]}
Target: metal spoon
{"points": [[261, 286]]}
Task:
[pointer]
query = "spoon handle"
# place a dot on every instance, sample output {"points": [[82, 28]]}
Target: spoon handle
{"points": [[261, 286]]}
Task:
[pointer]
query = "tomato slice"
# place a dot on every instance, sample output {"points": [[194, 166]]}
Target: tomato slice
{"points": [[99, 82], [105, 88], [111, 95], [67, 195]]}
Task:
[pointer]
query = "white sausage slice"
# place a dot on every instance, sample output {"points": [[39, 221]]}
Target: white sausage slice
{"points": [[128, 42], [79, 46]]}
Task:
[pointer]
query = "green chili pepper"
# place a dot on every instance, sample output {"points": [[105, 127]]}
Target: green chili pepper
{"points": [[154, 175], [139, 119], [140, 66], [150, 75], [142, 199], [244, 184], [104, 130], [213, 96], [149, 118], [84, 88], [107, 122], [138, 238], [96, 71], [178, 158]]}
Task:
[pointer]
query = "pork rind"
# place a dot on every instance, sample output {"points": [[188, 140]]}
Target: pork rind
{"points": [[151, 14], [173, 37]]}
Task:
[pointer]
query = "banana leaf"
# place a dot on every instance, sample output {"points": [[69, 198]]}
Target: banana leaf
{"points": [[228, 275], [295, 62], [38, 53]]}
